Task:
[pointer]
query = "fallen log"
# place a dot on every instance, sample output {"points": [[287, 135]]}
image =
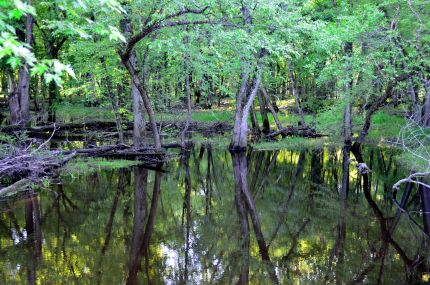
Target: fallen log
{"points": [[17, 186], [31, 166], [296, 131]]}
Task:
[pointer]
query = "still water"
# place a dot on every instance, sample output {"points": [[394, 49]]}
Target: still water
{"points": [[211, 217]]}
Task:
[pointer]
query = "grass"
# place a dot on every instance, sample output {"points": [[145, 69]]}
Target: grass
{"points": [[85, 165], [385, 125], [295, 143], [409, 161], [78, 112], [222, 115]]}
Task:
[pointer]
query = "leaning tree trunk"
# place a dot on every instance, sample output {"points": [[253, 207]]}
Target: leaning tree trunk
{"points": [[139, 128], [137, 82], [240, 131], [235, 141], [146, 102], [271, 108]]}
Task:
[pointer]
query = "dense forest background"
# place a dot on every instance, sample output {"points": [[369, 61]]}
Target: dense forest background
{"points": [[270, 68], [214, 141]]}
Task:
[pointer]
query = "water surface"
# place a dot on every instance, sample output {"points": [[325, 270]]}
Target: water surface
{"points": [[211, 217]]}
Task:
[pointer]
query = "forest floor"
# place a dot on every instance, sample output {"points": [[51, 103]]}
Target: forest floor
{"points": [[386, 126], [386, 123]]}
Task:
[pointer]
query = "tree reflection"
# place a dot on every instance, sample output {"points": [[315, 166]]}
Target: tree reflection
{"points": [[298, 224], [34, 235], [140, 242], [387, 228], [245, 205]]}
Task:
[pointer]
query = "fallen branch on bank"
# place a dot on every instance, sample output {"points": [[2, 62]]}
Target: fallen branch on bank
{"points": [[32, 165], [26, 166], [17, 186], [306, 132]]}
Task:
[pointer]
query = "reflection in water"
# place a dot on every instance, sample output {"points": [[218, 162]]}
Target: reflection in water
{"points": [[302, 217], [245, 205]]}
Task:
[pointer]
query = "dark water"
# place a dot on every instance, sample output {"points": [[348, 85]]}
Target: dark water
{"points": [[216, 218]]}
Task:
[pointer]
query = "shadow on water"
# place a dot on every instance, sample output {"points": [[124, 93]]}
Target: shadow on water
{"points": [[214, 217]]}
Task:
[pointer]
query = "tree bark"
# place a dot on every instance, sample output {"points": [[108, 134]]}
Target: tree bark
{"points": [[129, 61], [262, 103], [347, 115], [426, 116], [271, 108], [295, 92], [254, 121], [187, 87], [24, 77], [139, 129], [240, 128], [14, 112], [347, 123]]}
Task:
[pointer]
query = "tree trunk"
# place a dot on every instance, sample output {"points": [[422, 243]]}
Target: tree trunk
{"points": [[139, 128], [14, 112], [239, 110], [254, 121], [347, 123], [137, 82], [243, 127], [187, 88], [266, 124], [24, 77], [240, 128], [347, 115], [426, 116], [295, 93], [271, 108], [52, 96]]}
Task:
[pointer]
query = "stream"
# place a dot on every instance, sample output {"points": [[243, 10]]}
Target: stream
{"points": [[211, 217]]}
